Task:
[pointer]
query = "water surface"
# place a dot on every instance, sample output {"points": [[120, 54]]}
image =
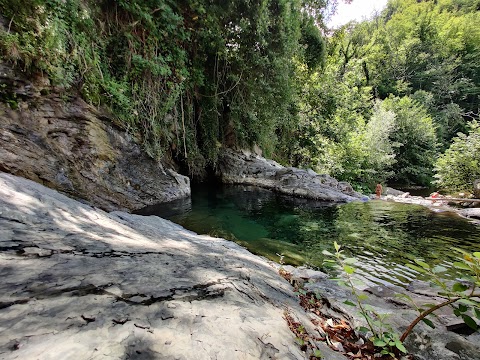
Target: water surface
{"points": [[383, 236]]}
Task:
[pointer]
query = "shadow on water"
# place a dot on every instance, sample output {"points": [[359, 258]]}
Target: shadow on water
{"points": [[383, 236]]}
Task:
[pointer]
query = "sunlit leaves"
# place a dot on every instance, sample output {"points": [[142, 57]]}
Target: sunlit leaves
{"points": [[428, 322], [459, 287], [469, 321]]}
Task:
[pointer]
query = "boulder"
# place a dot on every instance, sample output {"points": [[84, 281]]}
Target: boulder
{"points": [[68, 145], [394, 192], [244, 167]]}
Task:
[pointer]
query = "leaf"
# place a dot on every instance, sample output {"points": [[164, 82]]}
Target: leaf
{"points": [[363, 329], [348, 302], [461, 265], [399, 346], [428, 322], [404, 296], [439, 269], [459, 287], [317, 353], [416, 268], [468, 278], [462, 308], [477, 255], [337, 247], [327, 253], [477, 313], [350, 261], [348, 269], [362, 297], [379, 343], [469, 321], [299, 341], [422, 264], [358, 282]]}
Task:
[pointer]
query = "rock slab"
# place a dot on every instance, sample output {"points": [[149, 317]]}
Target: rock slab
{"points": [[80, 283], [243, 167]]}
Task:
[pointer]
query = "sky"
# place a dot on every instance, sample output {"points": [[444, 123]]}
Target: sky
{"points": [[357, 10]]}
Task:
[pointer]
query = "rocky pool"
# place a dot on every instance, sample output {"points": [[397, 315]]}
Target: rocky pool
{"points": [[383, 236]]}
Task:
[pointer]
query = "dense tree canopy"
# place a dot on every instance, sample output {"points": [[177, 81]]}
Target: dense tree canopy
{"points": [[416, 66], [184, 76], [370, 102]]}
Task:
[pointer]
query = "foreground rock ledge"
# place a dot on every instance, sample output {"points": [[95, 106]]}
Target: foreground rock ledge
{"points": [[79, 283], [243, 167]]}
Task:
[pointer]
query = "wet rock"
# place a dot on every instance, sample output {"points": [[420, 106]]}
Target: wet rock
{"points": [[393, 192], [243, 167], [473, 213]]}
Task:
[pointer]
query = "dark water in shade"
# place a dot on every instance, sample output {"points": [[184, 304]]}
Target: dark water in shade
{"points": [[383, 236]]}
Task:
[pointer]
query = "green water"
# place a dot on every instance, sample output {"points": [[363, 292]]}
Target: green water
{"points": [[383, 236]]}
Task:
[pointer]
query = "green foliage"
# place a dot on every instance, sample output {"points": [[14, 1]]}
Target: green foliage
{"points": [[432, 47], [421, 58], [381, 333], [188, 77], [313, 42], [461, 296], [460, 165], [415, 135], [184, 77]]}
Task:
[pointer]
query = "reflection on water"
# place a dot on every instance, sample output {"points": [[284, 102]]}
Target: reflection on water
{"points": [[383, 236]]}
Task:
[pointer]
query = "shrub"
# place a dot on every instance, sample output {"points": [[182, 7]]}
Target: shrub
{"points": [[459, 166]]}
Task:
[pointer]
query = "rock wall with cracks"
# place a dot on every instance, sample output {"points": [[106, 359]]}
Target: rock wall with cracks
{"points": [[68, 145]]}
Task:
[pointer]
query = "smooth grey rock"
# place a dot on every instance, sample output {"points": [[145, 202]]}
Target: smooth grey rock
{"points": [[243, 167], [393, 192], [473, 213], [119, 286]]}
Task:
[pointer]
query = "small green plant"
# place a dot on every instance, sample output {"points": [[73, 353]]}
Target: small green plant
{"points": [[462, 296], [382, 334]]}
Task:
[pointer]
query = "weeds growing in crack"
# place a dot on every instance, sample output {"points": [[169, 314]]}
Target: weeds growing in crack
{"points": [[304, 340], [337, 333]]}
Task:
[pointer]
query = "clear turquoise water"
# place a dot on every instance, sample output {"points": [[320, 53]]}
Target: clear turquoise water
{"points": [[383, 236]]}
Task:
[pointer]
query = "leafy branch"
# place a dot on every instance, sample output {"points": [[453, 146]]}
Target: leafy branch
{"points": [[462, 296]]}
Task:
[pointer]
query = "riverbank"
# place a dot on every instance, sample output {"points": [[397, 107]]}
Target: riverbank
{"points": [[78, 282], [441, 204], [81, 283]]}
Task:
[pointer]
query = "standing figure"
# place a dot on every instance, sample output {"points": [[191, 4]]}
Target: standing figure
{"points": [[378, 190]]}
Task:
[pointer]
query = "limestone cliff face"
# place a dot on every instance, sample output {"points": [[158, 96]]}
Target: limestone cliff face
{"points": [[70, 146]]}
